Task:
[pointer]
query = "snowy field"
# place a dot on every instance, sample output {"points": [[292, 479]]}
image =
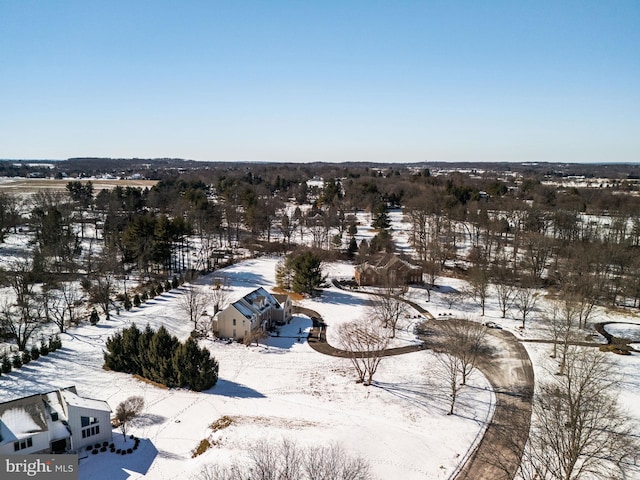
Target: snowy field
{"points": [[282, 389]]}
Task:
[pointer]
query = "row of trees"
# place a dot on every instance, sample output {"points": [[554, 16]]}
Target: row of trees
{"points": [[161, 357]]}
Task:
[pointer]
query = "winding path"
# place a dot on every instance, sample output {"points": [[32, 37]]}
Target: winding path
{"points": [[508, 369]]}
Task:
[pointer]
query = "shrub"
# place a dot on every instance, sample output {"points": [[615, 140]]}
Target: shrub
{"points": [[55, 343], [129, 450], [94, 317], [17, 360], [95, 451], [26, 357], [145, 296], [159, 288], [127, 303], [136, 300], [103, 449], [167, 286], [35, 352], [6, 364], [175, 283], [44, 348]]}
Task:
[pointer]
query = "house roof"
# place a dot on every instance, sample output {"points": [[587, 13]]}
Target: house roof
{"points": [[75, 400], [21, 418], [255, 302], [29, 415], [386, 261]]}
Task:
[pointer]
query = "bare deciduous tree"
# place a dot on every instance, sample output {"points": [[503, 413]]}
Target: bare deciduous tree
{"points": [[562, 321], [194, 302], [22, 317], [388, 307], [579, 431], [60, 304], [127, 411], [285, 460], [525, 302], [219, 295], [365, 343], [467, 341]]}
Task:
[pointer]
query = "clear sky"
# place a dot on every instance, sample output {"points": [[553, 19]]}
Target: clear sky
{"points": [[324, 80]]}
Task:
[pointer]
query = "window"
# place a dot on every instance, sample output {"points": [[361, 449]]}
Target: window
{"points": [[234, 322], [86, 421], [54, 416], [91, 431], [22, 444]]}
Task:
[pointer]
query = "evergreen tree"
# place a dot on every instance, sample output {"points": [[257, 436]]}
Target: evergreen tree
{"points": [[136, 300], [307, 268], [44, 347], [143, 348], [196, 368], [160, 358], [26, 357], [113, 357], [94, 317], [17, 360], [6, 364], [126, 302], [381, 217], [35, 352], [130, 350]]}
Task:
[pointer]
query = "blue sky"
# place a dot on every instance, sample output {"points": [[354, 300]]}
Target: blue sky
{"points": [[389, 81]]}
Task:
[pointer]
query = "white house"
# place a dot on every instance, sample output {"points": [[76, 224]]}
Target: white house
{"points": [[257, 309], [54, 422]]}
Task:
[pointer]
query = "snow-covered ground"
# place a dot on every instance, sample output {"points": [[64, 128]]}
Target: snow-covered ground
{"points": [[282, 389]]}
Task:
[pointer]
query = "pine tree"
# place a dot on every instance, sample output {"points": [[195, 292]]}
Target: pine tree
{"points": [[17, 360], [136, 300], [6, 364], [160, 357], [196, 368], [113, 358], [307, 268]]}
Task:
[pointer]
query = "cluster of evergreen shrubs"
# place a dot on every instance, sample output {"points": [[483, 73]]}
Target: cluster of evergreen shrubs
{"points": [[22, 358], [162, 358], [151, 291]]}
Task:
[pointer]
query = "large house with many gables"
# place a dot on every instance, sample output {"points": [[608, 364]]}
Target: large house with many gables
{"points": [[257, 309]]}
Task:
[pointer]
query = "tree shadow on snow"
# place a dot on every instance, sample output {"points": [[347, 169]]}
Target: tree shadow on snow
{"points": [[227, 388]]}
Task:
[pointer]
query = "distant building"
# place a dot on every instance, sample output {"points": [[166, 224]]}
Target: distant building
{"points": [[54, 422], [387, 270], [258, 309]]}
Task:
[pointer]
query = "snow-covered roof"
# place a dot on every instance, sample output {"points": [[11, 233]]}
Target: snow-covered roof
{"points": [[74, 400], [28, 415], [244, 308], [21, 418]]}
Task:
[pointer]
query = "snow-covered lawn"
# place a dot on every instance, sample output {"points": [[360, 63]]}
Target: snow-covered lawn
{"points": [[282, 389]]}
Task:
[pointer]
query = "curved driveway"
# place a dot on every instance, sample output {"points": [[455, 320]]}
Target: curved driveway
{"points": [[507, 367]]}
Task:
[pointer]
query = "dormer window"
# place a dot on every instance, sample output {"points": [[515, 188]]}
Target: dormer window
{"points": [[54, 416]]}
